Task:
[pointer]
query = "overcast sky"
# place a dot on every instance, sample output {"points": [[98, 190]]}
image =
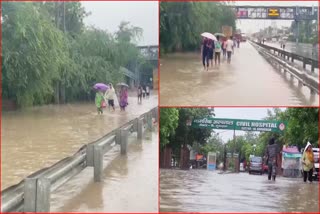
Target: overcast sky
{"points": [[108, 15], [238, 113], [251, 26]]}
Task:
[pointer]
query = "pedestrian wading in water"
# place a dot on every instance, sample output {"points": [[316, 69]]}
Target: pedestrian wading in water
{"points": [[308, 163], [272, 152], [99, 100]]}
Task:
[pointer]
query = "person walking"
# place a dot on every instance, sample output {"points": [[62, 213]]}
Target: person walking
{"points": [[224, 48], [211, 51], [148, 91], [140, 94], [272, 152], [123, 99], [99, 99], [205, 53], [217, 51], [109, 95], [308, 163], [229, 48]]}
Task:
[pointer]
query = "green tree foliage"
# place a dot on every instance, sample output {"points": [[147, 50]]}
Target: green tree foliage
{"points": [[181, 23], [47, 49], [33, 53], [168, 124], [308, 31]]}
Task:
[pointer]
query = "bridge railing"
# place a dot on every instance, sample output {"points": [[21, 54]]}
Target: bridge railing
{"points": [[304, 79], [289, 55], [32, 194]]}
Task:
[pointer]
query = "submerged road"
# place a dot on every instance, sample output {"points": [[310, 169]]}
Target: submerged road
{"points": [[206, 191], [38, 137], [248, 80], [130, 182]]}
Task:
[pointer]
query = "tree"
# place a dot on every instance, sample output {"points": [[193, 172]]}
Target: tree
{"points": [[168, 123], [181, 23], [33, 53]]}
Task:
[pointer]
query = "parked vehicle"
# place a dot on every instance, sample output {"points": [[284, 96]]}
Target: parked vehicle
{"points": [[256, 165], [316, 163]]}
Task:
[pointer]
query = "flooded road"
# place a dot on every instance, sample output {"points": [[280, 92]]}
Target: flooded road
{"points": [[130, 182], [40, 136], [302, 49], [205, 191], [248, 80]]}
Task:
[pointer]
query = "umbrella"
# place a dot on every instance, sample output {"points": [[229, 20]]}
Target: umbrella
{"points": [[101, 86], [209, 36], [308, 144], [220, 34], [122, 85]]}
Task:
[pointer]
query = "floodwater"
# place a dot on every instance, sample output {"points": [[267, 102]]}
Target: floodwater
{"points": [[41, 136], [248, 80], [130, 182], [205, 191], [302, 49]]}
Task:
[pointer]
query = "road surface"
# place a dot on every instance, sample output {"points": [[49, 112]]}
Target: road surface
{"points": [[41, 136], [248, 80], [130, 183], [205, 191]]}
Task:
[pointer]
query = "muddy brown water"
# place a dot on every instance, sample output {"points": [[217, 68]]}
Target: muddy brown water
{"points": [[248, 80], [206, 191]]}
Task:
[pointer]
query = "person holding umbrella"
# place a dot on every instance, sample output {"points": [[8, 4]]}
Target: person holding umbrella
{"points": [[308, 163], [99, 99], [123, 98], [205, 53], [217, 51]]}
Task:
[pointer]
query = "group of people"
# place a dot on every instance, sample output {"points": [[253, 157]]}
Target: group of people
{"points": [[210, 49], [307, 160], [143, 91], [109, 96]]}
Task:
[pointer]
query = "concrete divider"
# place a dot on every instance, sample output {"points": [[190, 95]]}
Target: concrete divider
{"points": [[33, 193]]}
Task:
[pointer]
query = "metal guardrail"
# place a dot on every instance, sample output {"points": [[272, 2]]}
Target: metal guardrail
{"points": [[288, 55], [32, 194], [303, 78]]}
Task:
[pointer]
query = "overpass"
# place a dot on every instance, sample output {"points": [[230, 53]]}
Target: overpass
{"points": [[150, 53], [276, 12]]}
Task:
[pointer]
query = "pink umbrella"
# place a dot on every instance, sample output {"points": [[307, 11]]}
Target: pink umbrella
{"points": [[101, 87]]}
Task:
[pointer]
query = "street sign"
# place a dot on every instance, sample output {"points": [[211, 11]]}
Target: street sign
{"points": [[242, 14], [273, 12], [238, 124]]}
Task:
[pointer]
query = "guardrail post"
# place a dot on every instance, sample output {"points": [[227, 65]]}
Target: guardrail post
{"points": [[149, 120], [98, 163], [304, 63], [156, 114], [124, 141], [30, 195], [312, 67], [140, 128], [36, 195], [118, 136], [43, 195], [90, 154], [135, 124]]}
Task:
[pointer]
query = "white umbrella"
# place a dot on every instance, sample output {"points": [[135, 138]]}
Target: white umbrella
{"points": [[209, 36], [308, 144]]}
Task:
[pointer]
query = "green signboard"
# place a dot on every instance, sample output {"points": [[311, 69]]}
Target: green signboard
{"points": [[237, 124]]}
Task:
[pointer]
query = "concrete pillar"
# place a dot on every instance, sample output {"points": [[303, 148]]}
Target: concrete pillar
{"points": [[124, 141], [90, 154], [98, 163], [30, 195], [149, 120], [118, 136], [37, 195], [140, 128], [43, 195]]}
